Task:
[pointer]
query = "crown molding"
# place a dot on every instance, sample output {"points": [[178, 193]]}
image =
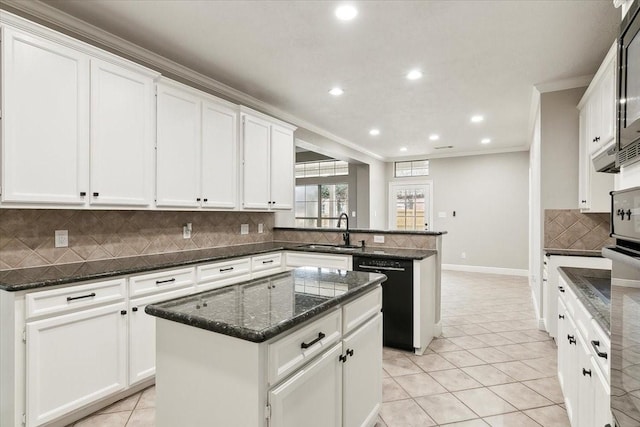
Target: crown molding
{"points": [[50, 16], [462, 153], [564, 84]]}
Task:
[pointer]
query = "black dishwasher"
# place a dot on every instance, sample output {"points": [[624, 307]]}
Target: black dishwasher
{"points": [[397, 298]]}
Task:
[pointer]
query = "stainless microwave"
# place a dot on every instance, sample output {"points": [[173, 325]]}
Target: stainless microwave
{"points": [[628, 100]]}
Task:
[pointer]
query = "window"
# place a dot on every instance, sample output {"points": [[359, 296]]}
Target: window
{"points": [[323, 168], [411, 168], [320, 205]]}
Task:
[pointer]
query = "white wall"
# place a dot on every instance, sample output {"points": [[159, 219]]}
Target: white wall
{"points": [[489, 194]]}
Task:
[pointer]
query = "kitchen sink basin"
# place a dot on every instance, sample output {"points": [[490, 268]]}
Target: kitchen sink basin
{"points": [[332, 247]]}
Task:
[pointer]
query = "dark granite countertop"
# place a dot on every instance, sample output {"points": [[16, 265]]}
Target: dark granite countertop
{"points": [[363, 230], [38, 277], [573, 252], [260, 309], [592, 286]]}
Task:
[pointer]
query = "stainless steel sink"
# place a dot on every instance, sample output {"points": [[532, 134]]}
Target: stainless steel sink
{"points": [[332, 247]]}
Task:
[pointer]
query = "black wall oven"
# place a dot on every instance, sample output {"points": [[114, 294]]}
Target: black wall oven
{"points": [[628, 100], [625, 307]]}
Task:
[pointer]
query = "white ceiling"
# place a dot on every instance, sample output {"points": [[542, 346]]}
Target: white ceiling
{"points": [[478, 57]]}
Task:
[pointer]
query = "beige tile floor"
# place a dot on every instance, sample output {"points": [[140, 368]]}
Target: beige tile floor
{"points": [[490, 367]]}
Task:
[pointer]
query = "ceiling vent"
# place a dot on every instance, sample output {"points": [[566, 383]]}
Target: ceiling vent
{"points": [[442, 147]]}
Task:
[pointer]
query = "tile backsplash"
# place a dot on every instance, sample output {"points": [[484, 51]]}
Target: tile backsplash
{"points": [[570, 229], [27, 235]]}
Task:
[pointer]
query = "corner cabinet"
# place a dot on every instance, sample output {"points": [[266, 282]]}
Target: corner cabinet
{"points": [[78, 124], [268, 162], [597, 134]]}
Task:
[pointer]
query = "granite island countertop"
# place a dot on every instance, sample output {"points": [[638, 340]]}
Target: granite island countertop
{"points": [[39, 277], [585, 282], [260, 309]]}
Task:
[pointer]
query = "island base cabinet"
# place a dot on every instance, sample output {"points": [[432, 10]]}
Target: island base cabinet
{"points": [[362, 376], [312, 397], [63, 375]]}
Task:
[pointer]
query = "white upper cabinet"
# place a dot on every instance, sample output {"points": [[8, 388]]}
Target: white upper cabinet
{"points": [[78, 123], [196, 149], [256, 184], [268, 162], [45, 109], [122, 135], [282, 167], [178, 147], [219, 155]]}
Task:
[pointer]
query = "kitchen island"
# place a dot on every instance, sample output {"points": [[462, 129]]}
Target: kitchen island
{"points": [[297, 348]]}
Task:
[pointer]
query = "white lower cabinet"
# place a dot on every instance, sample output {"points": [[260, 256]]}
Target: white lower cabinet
{"points": [[583, 378], [313, 396], [302, 259], [74, 359], [142, 335]]}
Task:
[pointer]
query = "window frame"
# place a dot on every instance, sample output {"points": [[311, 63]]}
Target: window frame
{"points": [[411, 168], [319, 218]]}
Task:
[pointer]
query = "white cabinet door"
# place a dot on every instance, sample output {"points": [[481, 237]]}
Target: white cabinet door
{"points": [[312, 397], [607, 105], [570, 371], [256, 183], [45, 121], [584, 159], [122, 136], [563, 344], [142, 335], [73, 360], [282, 165], [601, 397], [361, 374], [585, 381], [219, 155], [178, 148]]}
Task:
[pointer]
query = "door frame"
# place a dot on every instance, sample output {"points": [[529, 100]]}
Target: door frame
{"points": [[390, 205]]}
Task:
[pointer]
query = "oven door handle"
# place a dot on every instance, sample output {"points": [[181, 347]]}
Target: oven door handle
{"points": [[595, 345]]}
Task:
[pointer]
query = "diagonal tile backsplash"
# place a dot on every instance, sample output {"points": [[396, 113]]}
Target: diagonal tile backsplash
{"points": [[27, 235], [570, 229]]}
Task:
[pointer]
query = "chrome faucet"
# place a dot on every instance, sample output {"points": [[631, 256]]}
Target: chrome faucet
{"points": [[345, 236]]}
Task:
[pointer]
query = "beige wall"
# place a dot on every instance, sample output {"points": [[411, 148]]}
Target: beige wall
{"points": [[489, 194], [27, 235]]}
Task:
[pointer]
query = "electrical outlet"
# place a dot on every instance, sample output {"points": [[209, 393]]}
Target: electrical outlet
{"points": [[463, 255], [378, 239], [442, 214], [62, 239], [353, 214], [244, 228], [186, 230], [260, 228]]}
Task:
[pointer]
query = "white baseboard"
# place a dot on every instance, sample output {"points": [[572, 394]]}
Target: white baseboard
{"points": [[490, 270]]}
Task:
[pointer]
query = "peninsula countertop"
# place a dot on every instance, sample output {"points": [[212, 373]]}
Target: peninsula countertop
{"points": [[592, 286], [39, 277], [260, 309]]}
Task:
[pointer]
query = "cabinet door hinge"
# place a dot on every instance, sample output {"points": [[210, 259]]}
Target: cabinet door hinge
{"points": [[267, 411], [24, 335], [24, 418]]}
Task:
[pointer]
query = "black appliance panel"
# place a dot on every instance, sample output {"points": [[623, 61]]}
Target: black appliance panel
{"points": [[397, 298]]}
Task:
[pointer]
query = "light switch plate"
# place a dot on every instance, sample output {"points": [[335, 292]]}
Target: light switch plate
{"points": [[244, 228], [378, 239], [62, 239], [260, 228]]}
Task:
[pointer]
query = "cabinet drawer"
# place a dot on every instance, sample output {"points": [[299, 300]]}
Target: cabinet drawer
{"points": [[600, 342], [357, 312], [223, 273], [341, 262], [161, 281], [289, 353], [74, 297], [266, 262]]}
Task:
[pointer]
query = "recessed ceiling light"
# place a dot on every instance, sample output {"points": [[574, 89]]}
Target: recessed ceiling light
{"points": [[414, 74], [485, 140], [403, 148], [434, 137], [374, 132], [346, 12], [477, 119], [336, 91]]}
